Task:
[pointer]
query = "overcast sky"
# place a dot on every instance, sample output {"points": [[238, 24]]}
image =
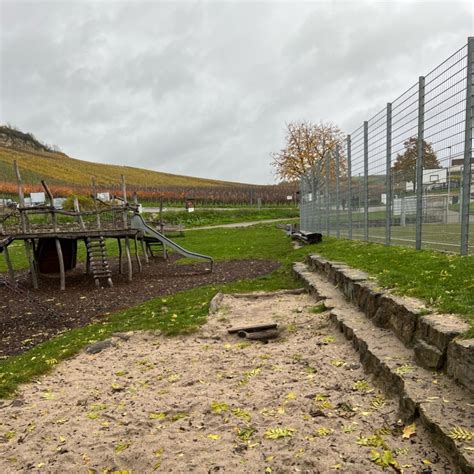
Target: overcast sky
{"points": [[205, 88]]}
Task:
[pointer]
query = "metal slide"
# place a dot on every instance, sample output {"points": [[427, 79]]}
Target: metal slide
{"points": [[139, 223]]}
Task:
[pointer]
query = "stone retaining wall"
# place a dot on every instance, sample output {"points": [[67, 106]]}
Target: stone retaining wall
{"points": [[433, 337]]}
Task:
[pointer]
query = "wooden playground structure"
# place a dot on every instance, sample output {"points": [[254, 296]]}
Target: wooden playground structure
{"points": [[51, 235]]}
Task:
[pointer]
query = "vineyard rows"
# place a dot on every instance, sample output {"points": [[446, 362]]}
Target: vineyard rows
{"points": [[67, 176]]}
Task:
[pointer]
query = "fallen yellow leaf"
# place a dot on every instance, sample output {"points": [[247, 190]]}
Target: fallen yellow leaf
{"points": [[409, 431]]}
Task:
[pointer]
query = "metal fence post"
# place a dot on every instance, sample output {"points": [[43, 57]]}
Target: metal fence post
{"points": [[388, 178], [466, 175], [420, 161], [302, 209], [318, 179], [366, 180], [328, 175], [349, 177], [338, 195], [314, 207]]}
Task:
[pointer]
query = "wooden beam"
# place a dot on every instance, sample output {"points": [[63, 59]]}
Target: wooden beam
{"points": [[94, 195], [31, 261], [78, 210], [51, 200], [253, 328], [119, 242], [161, 213], [88, 259], [263, 336], [21, 197], [77, 234], [129, 258], [145, 251], [124, 196], [48, 192], [8, 261], [137, 256], [62, 273], [124, 188]]}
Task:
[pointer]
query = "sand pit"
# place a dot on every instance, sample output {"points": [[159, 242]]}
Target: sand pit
{"points": [[212, 402]]}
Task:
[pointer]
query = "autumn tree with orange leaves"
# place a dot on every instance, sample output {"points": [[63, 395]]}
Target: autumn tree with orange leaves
{"points": [[307, 146]]}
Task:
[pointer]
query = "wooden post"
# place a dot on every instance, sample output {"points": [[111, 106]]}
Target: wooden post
{"points": [[51, 201], [88, 259], [144, 250], [61, 264], [31, 261], [8, 261], [119, 242], [136, 254], [124, 189], [135, 199], [21, 198], [94, 195], [129, 258], [124, 195], [161, 213], [79, 217]]}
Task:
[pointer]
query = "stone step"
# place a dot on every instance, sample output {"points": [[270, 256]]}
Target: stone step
{"points": [[431, 398], [434, 337]]}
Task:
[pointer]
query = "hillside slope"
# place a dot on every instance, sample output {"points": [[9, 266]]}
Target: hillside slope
{"points": [[57, 168]]}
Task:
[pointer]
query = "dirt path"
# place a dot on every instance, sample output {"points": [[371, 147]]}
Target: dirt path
{"points": [[211, 402], [236, 225]]}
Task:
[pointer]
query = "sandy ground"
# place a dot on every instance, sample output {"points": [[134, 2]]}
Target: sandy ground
{"points": [[212, 402], [26, 322]]}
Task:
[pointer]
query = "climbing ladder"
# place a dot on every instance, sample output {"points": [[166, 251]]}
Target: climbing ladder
{"points": [[97, 260]]}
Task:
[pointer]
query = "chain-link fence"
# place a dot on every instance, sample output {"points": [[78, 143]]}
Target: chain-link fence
{"points": [[404, 177]]}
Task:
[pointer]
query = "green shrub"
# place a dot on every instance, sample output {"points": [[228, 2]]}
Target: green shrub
{"points": [[86, 203]]}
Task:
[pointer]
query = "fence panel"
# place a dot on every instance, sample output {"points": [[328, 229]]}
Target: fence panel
{"points": [[404, 177]]}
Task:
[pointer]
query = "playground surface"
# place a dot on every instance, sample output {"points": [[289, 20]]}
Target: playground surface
{"points": [[24, 324], [212, 402]]}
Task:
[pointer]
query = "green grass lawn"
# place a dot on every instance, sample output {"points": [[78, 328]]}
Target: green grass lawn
{"points": [[446, 237], [441, 237], [456, 207], [445, 281]]}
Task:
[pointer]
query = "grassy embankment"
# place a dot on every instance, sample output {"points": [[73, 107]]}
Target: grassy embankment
{"points": [[445, 281], [201, 218]]}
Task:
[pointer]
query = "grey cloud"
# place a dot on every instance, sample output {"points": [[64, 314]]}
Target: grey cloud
{"points": [[205, 88]]}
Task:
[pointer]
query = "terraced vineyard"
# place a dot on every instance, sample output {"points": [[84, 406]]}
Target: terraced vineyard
{"points": [[59, 168], [72, 176]]}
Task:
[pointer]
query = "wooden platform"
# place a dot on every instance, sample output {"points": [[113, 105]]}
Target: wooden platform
{"points": [[49, 233], [75, 235]]}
